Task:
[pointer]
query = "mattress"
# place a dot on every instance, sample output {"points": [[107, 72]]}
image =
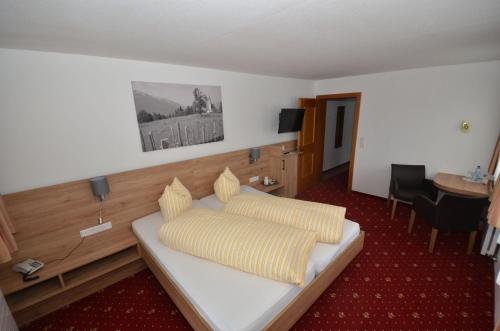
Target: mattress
{"points": [[227, 298], [323, 253]]}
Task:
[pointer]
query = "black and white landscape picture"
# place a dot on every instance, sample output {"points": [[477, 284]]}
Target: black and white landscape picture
{"points": [[175, 115]]}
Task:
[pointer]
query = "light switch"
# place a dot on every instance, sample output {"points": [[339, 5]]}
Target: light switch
{"points": [[361, 142]]}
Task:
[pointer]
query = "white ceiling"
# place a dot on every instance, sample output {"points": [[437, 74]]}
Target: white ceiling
{"points": [[310, 39]]}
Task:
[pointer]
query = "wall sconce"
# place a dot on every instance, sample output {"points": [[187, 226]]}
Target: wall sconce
{"points": [[465, 126], [100, 188], [254, 154]]}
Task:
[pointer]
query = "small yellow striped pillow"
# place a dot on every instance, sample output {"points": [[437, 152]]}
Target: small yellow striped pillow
{"points": [[174, 200], [226, 186]]}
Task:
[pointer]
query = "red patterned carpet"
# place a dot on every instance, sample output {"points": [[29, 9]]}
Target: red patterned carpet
{"points": [[394, 284]]}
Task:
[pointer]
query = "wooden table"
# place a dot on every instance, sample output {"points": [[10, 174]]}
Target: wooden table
{"points": [[458, 185]]}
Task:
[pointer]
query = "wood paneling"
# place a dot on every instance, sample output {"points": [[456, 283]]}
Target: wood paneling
{"points": [[49, 219]]}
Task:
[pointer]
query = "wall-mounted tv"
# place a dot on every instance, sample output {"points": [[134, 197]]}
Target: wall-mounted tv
{"points": [[290, 120]]}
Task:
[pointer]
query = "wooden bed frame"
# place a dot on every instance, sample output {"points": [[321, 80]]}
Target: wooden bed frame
{"points": [[49, 220], [288, 316]]}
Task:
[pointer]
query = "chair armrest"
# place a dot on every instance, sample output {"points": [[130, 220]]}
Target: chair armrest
{"points": [[430, 189], [425, 207]]}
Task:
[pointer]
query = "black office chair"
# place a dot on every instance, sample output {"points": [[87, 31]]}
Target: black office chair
{"points": [[407, 182], [451, 214]]}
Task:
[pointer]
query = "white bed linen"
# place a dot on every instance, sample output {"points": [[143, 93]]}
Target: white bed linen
{"points": [[211, 201], [323, 253], [227, 298]]}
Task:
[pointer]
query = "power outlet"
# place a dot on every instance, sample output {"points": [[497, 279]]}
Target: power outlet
{"points": [[254, 179], [95, 229]]}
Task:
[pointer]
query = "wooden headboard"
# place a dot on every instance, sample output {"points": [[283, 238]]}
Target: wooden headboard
{"points": [[49, 219]]}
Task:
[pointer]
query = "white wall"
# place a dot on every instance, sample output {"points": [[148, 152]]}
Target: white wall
{"points": [[332, 156], [65, 117], [413, 116]]}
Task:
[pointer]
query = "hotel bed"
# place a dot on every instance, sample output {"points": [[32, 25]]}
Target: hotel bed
{"points": [[323, 253], [213, 296]]}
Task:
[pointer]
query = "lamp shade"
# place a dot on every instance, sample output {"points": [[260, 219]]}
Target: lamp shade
{"points": [[254, 154], [100, 187]]}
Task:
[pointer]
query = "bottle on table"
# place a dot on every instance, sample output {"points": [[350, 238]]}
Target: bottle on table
{"points": [[476, 175]]}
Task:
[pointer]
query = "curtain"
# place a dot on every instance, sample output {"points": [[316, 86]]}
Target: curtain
{"points": [[494, 209], [7, 242], [493, 168]]}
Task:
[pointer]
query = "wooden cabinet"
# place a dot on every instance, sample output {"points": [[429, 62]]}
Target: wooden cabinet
{"points": [[284, 168], [289, 174]]}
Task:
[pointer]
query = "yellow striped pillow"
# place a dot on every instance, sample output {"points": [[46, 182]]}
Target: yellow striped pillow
{"points": [[326, 220], [226, 186], [174, 200], [263, 248]]}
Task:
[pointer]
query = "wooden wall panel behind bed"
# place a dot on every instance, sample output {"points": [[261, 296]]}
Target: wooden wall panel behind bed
{"points": [[49, 219]]}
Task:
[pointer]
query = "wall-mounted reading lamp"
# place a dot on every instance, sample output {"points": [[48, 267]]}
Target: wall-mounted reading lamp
{"points": [[254, 154], [100, 188]]}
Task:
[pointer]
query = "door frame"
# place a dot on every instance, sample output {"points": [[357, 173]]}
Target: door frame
{"points": [[320, 133]]}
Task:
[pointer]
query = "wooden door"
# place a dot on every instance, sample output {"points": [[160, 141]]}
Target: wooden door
{"points": [[308, 145]]}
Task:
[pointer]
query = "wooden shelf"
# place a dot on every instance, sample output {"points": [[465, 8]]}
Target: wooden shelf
{"points": [[92, 249], [76, 293], [34, 294], [100, 267], [268, 188]]}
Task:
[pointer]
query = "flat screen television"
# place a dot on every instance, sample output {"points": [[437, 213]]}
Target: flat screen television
{"points": [[290, 120]]}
